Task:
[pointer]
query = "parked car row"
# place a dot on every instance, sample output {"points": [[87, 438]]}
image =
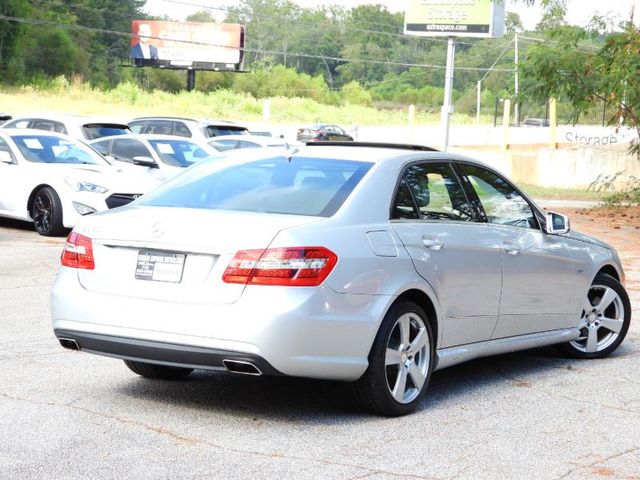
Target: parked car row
{"points": [[54, 169]]}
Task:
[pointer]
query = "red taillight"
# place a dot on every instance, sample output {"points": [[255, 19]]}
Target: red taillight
{"points": [[293, 266], [78, 252]]}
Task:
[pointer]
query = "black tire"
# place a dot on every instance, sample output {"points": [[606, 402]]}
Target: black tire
{"points": [[571, 349], [46, 212], [372, 391], [160, 372]]}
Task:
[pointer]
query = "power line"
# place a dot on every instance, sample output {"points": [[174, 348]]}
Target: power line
{"points": [[583, 48], [232, 9], [244, 49], [297, 20], [497, 60]]}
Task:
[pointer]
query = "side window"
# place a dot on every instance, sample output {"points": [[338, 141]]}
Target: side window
{"points": [[4, 147], [126, 149], [23, 123], [403, 206], [181, 130], [102, 147], [49, 125], [136, 127], [223, 145], [438, 193], [501, 203]]}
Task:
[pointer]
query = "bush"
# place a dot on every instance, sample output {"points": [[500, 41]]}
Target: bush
{"points": [[353, 93], [280, 81]]}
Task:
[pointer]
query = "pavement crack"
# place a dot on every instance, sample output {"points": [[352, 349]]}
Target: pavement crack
{"points": [[526, 384], [367, 471], [598, 462]]}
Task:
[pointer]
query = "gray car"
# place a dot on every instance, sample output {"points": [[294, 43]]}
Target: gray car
{"points": [[373, 265]]}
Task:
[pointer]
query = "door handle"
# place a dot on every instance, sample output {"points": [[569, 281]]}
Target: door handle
{"points": [[432, 243], [511, 248]]}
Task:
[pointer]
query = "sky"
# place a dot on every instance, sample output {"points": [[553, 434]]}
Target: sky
{"points": [[579, 11]]}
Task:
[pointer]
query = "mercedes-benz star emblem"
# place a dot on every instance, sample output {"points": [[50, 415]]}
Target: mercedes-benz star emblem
{"points": [[157, 230]]}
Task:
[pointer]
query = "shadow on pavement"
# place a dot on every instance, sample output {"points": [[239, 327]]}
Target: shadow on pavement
{"points": [[17, 225], [314, 401]]}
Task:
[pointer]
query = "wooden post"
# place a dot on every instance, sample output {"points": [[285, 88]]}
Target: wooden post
{"points": [[553, 123], [506, 117], [266, 110], [412, 119]]}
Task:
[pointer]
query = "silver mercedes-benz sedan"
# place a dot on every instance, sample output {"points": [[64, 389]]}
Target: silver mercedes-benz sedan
{"points": [[374, 265]]}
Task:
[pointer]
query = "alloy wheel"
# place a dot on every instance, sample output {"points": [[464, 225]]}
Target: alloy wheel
{"points": [[602, 319], [407, 358], [42, 211]]}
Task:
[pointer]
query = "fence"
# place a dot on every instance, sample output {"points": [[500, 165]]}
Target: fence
{"points": [[527, 113]]}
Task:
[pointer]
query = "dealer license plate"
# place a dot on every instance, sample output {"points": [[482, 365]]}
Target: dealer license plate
{"points": [[160, 266]]}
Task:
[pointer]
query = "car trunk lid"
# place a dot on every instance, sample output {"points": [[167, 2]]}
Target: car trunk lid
{"points": [[175, 254]]}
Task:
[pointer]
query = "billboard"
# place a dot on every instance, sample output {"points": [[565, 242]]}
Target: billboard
{"points": [[458, 18], [197, 45]]}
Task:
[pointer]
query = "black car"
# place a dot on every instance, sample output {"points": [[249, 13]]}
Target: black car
{"points": [[323, 133]]}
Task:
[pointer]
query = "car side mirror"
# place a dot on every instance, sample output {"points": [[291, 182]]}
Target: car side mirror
{"points": [[557, 224], [145, 162], [5, 157]]}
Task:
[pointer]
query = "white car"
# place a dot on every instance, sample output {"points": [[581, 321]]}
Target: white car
{"points": [[76, 126], [53, 180], [200, 130], [162, 156], [234, 142]]}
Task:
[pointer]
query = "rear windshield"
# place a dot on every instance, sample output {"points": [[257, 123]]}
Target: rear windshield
{"points": [[49, 149], [99, 130], [219, 130], [178, 153], [302, 186]]}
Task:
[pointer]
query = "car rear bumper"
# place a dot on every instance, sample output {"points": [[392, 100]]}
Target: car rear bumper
{"points": [[298, 331], [162, 353]]}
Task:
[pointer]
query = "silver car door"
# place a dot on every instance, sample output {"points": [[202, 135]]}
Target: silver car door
{"points": [[456, 255], [540, 280]]}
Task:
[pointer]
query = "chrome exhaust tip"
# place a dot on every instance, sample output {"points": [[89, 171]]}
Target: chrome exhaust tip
{"points": [[69, 343], [243, 368]]}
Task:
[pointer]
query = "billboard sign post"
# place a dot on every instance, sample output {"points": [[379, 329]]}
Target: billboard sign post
{"points": [[453, 18]]}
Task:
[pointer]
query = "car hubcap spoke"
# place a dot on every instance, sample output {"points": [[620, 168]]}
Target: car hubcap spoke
{"points": [[612, 324], [401, 385], [607, 299], [592, 340], [416, 376], [420, 341], [405, 326], [392, 357]]}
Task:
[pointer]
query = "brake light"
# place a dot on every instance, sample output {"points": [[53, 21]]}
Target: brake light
{"points": [[78, 252], [292, 266]]}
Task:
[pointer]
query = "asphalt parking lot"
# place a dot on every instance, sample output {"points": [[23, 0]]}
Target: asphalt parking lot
{"points": [[69, 415]]}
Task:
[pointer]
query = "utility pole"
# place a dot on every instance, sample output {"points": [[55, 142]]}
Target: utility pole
{"points": [[478, 101], [447, 107], [517, 83]]}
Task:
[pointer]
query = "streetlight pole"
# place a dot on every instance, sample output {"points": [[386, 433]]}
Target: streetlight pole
{"points": [[517, 83], [447, 107]]}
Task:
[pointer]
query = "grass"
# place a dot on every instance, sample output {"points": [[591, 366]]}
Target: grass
{"points": [[560, 193], [128, 100]]}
